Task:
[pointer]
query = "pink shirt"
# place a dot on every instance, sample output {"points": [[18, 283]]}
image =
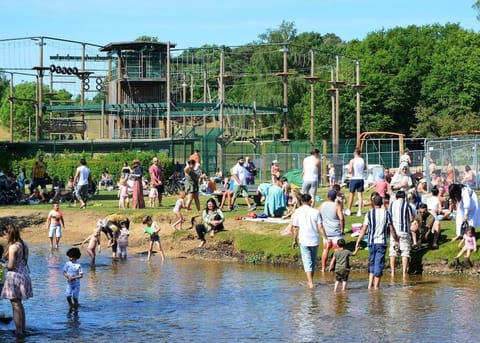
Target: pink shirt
{"points": [[381, 186]]}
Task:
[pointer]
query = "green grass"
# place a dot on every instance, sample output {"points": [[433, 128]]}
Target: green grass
{"points": [[267, 246]]}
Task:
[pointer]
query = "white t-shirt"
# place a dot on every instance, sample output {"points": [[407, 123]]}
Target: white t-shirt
{"points": [[307, 220], [83, 173], [310, 169], [241, 172], [433, 205]]}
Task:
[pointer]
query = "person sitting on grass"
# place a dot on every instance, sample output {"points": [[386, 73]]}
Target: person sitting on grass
{"points": [[425, 228]]}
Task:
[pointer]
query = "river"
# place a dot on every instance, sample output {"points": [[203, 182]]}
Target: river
{"points": [[204, 301]]}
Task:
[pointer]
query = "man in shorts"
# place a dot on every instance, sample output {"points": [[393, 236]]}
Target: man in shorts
{"points": [[310, 172], [356, 169], [307, 228], [239, 176], [55, 224], [377, 225], [402, 216]]}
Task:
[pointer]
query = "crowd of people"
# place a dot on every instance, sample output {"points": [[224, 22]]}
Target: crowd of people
{"points": [[404, 216]]}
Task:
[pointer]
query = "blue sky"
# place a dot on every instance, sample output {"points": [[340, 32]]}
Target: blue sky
{"points": [[192, 23]]}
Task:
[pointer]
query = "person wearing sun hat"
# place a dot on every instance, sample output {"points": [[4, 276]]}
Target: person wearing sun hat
{"points": [[137, 175]]}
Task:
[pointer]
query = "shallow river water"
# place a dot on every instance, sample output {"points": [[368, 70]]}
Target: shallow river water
{"points": [[203, 301]]}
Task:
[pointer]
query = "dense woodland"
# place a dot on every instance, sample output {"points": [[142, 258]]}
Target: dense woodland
{"points": [[420, 81]]}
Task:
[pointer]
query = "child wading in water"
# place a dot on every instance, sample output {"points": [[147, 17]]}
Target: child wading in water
{"points": [[470, 245], [93, 242], [123, 241], [73, 272], [178, 211], [152, 230], [341, 263]]}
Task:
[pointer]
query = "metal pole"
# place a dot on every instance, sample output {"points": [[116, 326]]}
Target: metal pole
{"points": [[285, 94], [337, 104], [312, 100], [357, 89], [169, 109], [332, 97], [11, 107]]}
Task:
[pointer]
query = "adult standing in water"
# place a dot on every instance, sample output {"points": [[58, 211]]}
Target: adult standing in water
{"points": [[82, 179], [137, 175], [307, 226], [18, 285]]}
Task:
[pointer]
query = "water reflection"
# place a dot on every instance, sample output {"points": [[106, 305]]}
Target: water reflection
{"points": [[211, 301]]}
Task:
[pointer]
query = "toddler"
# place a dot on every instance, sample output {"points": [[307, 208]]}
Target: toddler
{"points": [[331, 174], [153, 195], [93, 243], [123, 201], [178, 211], [123, 241], [73, 273], [470, 245], [152, 230], [341, 263]]}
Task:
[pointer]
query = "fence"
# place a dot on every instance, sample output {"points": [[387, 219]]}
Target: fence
{"points": [[459, 152]]}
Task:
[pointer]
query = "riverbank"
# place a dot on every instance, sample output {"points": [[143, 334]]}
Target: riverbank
{"points": [[242, 242]]}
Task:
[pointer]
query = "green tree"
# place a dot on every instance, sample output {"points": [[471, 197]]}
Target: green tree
{"points": [[24, 110]]}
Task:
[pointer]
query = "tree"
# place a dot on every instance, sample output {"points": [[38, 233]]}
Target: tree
{"points": [[24, 110]]}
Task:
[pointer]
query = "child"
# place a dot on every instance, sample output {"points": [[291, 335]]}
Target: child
{"points": [[152, 230], [93, 242], [123, 241], [123, 201], [73, 273], [178, 211], [341, 263], [340, 196], [296, 193], [153, 194], [381, 187], [470, 245], [55, 223], [331, 174]]}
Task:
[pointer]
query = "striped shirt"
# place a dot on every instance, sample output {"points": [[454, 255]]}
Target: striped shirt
{"points": [[377, 221], [401, 213]]}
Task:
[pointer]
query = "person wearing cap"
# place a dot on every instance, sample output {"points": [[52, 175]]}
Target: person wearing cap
{"points": [[137, 194], [239, 176], [334, 224], [275, 171], [381, 187], [83, 177], [310, 172]]}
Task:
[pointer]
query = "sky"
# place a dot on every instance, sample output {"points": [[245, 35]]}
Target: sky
{"points": [[193, 23]]}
